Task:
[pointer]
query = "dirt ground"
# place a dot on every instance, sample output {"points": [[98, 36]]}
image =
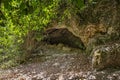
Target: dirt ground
{"points": [[56, 62]]}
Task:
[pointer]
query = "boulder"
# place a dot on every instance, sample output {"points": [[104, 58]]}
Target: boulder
{"points": [[64, 36], [97, 41], [107, 56]]}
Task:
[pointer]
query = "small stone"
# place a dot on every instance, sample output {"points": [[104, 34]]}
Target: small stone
{"points": [[91, 77], [61, 77], [56, 64], [22, 79]]}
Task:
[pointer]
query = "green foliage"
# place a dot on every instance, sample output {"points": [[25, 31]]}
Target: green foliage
{"points": [[69, 8], [21, 16], [18, 17], [79, 3]]}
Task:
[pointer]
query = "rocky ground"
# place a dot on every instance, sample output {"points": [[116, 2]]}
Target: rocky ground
{"points": [[51, 62]]}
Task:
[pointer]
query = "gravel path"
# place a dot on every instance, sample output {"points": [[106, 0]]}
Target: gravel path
{"points": [[58, 64]]}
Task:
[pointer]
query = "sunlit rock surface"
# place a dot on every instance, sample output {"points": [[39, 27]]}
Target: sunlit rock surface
{"points": [[106, 56]]}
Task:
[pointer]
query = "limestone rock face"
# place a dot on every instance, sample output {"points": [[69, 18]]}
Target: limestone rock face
{"points": [[63, 35], [106, 56]]}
